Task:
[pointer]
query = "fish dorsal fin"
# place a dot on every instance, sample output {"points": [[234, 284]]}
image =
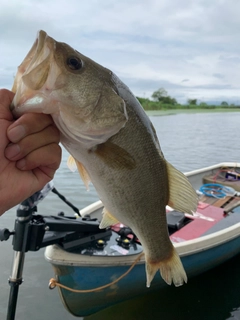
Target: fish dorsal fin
{"points": [[75, 164], [107, 220], [156, 140], [182, 196], [115, 156]]}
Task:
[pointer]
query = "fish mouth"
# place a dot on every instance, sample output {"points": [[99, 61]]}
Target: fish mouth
{"points": [[32, 77]]}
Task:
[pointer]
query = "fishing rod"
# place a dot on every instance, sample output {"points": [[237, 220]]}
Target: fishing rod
{"points": [[75, 209]]}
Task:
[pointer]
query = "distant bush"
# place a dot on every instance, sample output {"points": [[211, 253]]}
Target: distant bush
{"points": [[162, 101]]}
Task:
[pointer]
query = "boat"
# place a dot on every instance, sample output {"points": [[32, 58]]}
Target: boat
{"points": [[203, 240]]}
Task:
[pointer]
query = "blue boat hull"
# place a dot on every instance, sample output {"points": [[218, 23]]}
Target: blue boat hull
{"points": [[81, 277]]}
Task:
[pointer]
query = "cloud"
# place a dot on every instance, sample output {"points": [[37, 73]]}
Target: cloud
{"points": [[190, 48], [218, 75]]}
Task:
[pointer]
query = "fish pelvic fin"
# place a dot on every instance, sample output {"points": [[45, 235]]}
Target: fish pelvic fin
{"points": [[108, 219], [171, 270], [73, 165], [115, 156], [182, 196]]}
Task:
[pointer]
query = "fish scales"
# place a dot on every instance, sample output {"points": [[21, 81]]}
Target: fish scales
{"points": [[151, 173], [114, 145]]}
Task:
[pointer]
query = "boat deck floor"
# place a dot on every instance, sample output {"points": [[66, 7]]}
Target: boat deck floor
{"points": [[229, 219], [209, 218]]}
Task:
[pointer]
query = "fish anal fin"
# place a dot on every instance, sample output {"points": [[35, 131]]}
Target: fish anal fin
{"points": [[171, 270], [114, 156], [182, 196], [108, 219], [75, 164]]}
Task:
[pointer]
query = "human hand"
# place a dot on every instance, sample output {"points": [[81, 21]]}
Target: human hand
{"points": [[29, 153]]}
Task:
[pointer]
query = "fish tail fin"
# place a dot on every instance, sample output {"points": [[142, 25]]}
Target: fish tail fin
{"points": [[171, 270]]}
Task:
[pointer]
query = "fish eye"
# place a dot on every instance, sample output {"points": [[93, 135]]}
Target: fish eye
{"points": [[74, 63]]}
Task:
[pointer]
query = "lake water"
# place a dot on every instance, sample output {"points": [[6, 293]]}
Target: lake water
{"points": [[188, 141]]}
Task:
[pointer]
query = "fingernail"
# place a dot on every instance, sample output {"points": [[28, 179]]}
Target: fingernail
{"points": [[12, 151], [17, 133]]}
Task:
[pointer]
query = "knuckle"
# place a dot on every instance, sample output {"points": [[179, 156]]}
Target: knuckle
{"points": [[34, 122], [54, 133]]}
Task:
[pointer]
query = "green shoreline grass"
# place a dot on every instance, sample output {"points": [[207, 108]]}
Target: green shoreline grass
{"points": [[180, 111]]}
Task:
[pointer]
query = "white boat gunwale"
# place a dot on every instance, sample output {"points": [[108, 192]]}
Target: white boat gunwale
{"points": [[58, 256]]}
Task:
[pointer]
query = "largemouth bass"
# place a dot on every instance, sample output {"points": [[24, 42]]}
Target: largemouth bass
{"points": [[113, 142]]}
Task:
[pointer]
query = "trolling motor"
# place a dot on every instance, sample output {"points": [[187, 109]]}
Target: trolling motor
{"points": [[33, 231]]}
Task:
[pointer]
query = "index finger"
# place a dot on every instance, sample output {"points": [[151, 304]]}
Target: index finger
{"points": [[6, 98], [28, 124]]}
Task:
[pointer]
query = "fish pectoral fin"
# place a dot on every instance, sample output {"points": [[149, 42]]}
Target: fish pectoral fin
{"points": [[170, 269], [108, 219], [114, 156], [75, 164], [182, 196]]}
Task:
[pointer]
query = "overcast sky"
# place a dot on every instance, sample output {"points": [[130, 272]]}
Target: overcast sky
{"points": [[190, 48]]}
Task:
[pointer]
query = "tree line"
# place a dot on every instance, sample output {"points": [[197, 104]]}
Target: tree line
{"points": [[161, 100]]}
